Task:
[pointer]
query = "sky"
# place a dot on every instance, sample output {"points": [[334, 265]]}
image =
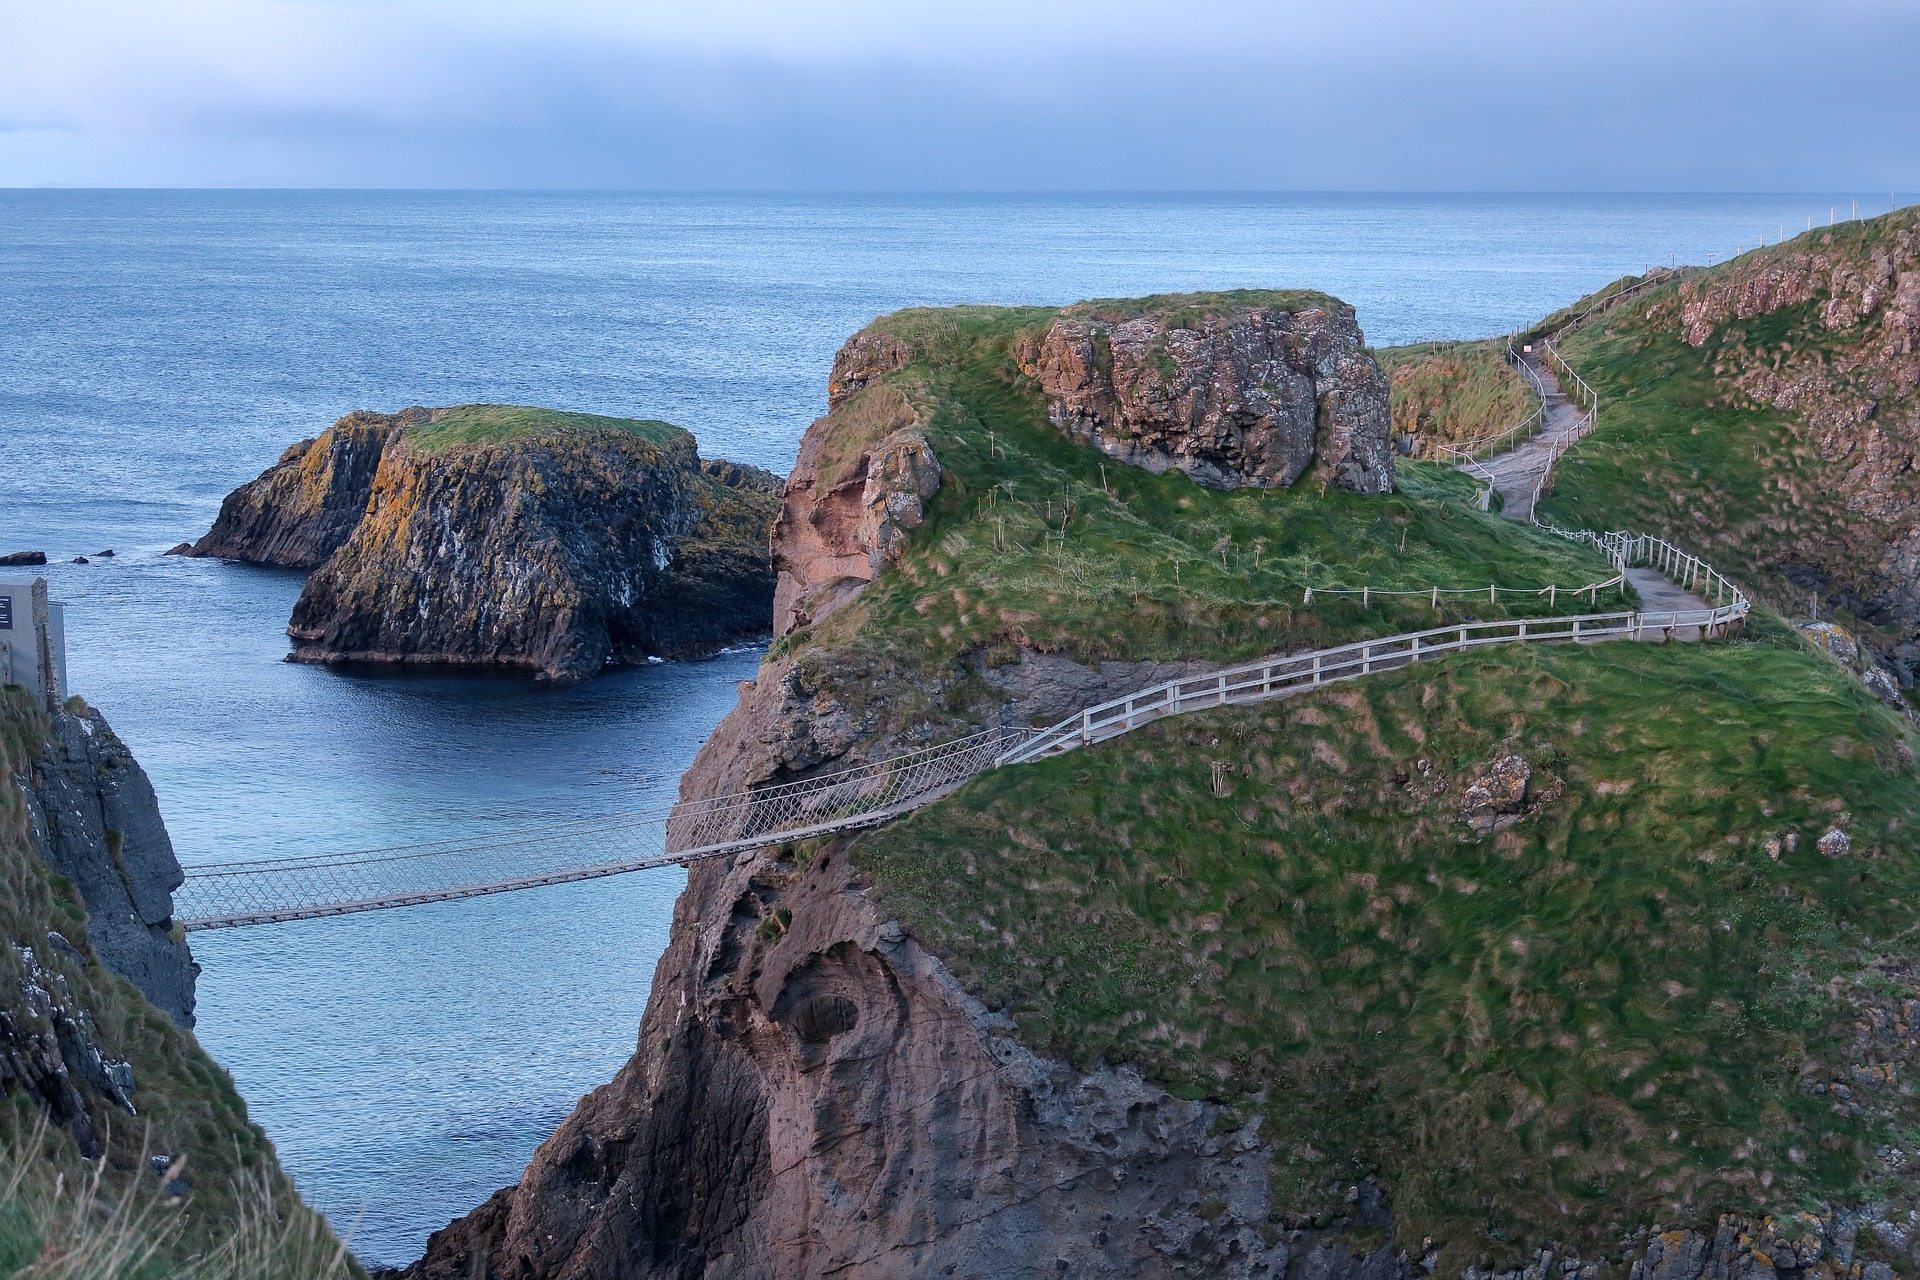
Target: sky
{"points": [[853, 95]]}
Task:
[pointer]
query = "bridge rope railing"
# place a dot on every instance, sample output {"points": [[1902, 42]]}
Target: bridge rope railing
{"points": [[262, 891]]}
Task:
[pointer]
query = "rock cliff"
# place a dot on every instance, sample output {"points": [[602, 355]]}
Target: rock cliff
{"points": [[95, 989], [815, 1096], [1230, 392], [814, 1093], [490, 535], [305, 506], [95, 820], [1443, 974], [1785, 435]]}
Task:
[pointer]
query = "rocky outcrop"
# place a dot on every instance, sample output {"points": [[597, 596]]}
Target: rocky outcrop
{"points": [[1246, 394], [305, 506], [862, 479], [483, 536], [93, 817], [814, 1095], [49, 1051]]}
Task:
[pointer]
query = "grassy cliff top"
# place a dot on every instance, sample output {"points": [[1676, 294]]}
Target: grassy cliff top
{"points": [[1624, 1005], [484, 424], [1759, 410], [1039, 542], [1453, 391], [1179, 308]]}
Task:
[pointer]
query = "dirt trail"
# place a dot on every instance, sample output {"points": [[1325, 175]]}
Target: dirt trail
{"points": [[1515, 473]]}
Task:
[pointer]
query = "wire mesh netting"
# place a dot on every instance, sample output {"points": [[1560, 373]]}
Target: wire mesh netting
{"points": [[223, 895]]}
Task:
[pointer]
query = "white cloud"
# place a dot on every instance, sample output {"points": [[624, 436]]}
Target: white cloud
{"points": [[1118, 93]]}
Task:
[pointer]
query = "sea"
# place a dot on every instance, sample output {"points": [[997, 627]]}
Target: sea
{"points": [[158, 348]]}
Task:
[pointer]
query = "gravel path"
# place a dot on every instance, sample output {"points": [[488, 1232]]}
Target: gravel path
{"points": [[1515, 474]]}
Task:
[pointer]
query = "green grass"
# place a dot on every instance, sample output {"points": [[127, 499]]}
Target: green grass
{"points": [[1036, 541], [484, 424], [1676, 455], [188, 1104], [1681, 449], [77, 1223], [1451, 391], [1590, 1021]]}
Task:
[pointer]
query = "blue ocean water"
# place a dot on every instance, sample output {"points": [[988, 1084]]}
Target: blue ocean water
{"points": [[159, 348]]}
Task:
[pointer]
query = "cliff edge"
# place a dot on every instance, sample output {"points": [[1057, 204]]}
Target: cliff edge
{"points": [[94, 818], [96, 992]]}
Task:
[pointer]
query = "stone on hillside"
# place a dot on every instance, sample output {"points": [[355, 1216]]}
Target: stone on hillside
{"points": [[1233, 395], [1836, 843], [1496, 799]]}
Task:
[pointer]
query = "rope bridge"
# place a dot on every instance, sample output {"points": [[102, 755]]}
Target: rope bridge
{"points": [[228, 894]]}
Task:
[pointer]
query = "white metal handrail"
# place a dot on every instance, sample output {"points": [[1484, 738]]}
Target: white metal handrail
{"points": [[1286, 674]]}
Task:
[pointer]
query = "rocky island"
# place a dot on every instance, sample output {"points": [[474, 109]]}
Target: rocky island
{"points": [[495, 535]]}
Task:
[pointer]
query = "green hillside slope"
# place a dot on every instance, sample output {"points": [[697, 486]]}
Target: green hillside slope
{"points": [[232, 1214], [1626, 989]]}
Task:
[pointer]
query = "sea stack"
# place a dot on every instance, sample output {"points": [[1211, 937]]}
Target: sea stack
{"points": [[504, 536]]}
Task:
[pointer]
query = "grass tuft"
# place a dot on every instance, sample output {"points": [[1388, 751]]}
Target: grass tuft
{"points": [[484, 424]]}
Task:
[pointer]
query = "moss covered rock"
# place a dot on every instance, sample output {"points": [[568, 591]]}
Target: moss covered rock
{"points": [[498, 535]]}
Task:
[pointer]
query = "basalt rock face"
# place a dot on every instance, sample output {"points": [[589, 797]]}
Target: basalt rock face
{"points": [[1237, 395], [862, 478], [305, 506], [555, 547], [813, 1095], [94, 818]]}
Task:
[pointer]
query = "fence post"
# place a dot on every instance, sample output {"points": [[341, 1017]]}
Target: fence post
{"points": [[1316, 669]]}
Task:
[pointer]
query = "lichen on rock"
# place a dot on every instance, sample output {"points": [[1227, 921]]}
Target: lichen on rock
{"points": [[1231, 393], [490, 535]]}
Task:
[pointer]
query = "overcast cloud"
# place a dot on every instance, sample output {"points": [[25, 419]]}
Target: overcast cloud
{"points": [[1583, 95]]}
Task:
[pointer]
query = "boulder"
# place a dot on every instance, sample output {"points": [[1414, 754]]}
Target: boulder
{"points": [[1232, 394]]}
